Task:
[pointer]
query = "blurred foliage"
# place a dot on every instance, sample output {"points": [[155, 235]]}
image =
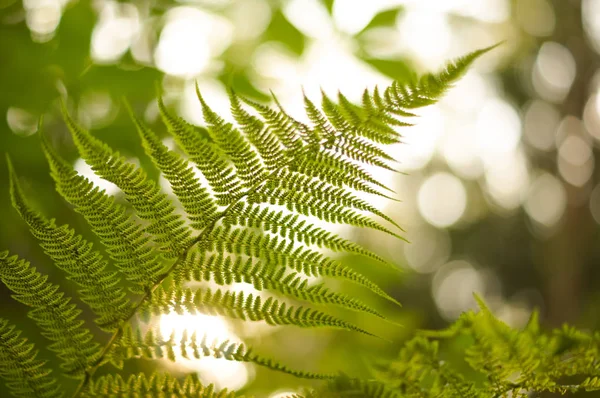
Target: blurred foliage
{"points": [[479, 356]]}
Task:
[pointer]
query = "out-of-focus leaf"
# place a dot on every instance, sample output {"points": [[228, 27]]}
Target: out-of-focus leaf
{"points": [[385, 18], [6, 3], [241, 83], [281, 30], [73, 38], [329, 5], [132, 81], [397, 69], [24, 81], [29, 71]]}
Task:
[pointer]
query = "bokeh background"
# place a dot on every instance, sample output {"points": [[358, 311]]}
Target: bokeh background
{"points": [[500, 194]]}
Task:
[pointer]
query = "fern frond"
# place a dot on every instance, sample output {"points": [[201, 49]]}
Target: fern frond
{"points": [[351, 145], [200, 207], [206, 155], [135, 344], [263, 138], [143, 194], [159, 385], [24, 374], [248, 165], [282, 126], [291, 227], [430, 87], [309, 204], [336, 170], [223, 271], [58, 318], [266, 157], [278, 252], [336, 128], [309, 137], [319, 194], [86, 267], [242, 306], [321, 130], [510, 362], [123, 238], [589, 384]]}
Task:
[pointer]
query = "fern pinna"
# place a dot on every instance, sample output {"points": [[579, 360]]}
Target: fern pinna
{"points": [[245, 220]]}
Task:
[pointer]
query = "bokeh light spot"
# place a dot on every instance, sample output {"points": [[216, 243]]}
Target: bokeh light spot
{"points": [[453, 287], [575, 160], [535, 17], [591, 116], [553, 72], [461, 151], [43, 18], [219, 371], [250, 18], [540, 123], [426, 35], [442, 199], [595, 203], [428, 250], [420, 141], [86, 171], [190, 38], [507, 179], [117, 26], [96, 109], [310, 17], [546, 200], [353, 16], [498, 130], [590, 15], [21, 122]]}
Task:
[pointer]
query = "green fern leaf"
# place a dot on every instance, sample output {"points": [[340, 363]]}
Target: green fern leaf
{"points": [[289, 132], [144, 195], [263, 138], [291, 227], [309, 204], [124, 239], [247, 163], [336, 170], [206, 155], [429, 87], [200, 207], [58, 318], [242, 306], [24, 375], [160, 385], [224, 271], [510, 362], [266, 157], [346, 387], [304, 190], [135, 344], [72, 254], [273, 251], [351, 145]]}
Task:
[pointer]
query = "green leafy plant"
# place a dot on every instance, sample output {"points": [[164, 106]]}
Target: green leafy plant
{"points": [[498, 362], [244, 220]]}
